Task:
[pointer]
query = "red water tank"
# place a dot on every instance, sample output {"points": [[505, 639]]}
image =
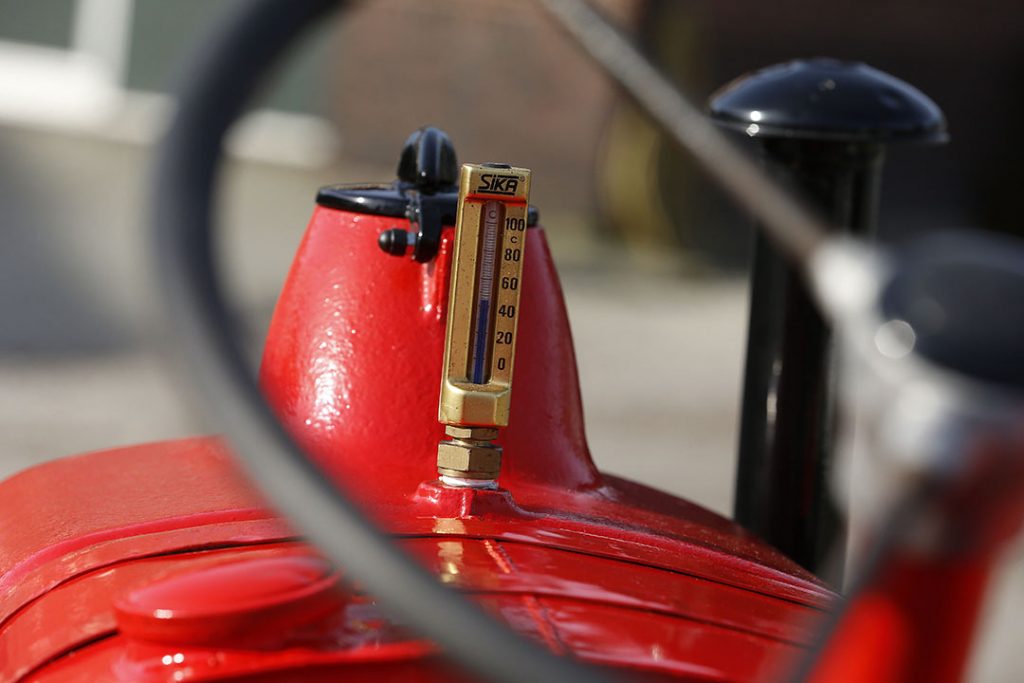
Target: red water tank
{"points": [[160, 562]]}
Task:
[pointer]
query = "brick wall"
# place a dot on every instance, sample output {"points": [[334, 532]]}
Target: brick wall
{"points": [[495, 74]]}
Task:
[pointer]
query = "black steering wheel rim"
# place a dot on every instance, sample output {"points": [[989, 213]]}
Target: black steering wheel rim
{"points": [[218, 82]]}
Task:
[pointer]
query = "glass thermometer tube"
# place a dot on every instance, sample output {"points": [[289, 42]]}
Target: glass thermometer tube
{"points": [[492, 215]]}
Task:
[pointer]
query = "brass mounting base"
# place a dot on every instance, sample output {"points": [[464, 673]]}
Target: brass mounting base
{"points": [[469, 454]]}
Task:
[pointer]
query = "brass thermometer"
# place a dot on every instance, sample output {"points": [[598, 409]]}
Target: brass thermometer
{"points": [[483, 312]]}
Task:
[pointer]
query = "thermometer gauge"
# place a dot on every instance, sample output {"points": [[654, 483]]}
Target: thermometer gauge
{"points": [[483, 310]]}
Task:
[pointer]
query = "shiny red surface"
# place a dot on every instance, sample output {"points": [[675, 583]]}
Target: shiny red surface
{"points": [[488, 548], [872, 644], [917, 619], [589, 565], [249, 602], [353, 363], [80, 610], [353, 321], [915, 623]]}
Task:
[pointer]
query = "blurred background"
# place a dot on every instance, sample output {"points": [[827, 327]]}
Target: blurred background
{"points": [[653, 259]]}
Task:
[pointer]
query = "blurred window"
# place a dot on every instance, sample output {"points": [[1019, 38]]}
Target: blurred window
{"points": [[42, 23], [105, 66], [162, 31]]}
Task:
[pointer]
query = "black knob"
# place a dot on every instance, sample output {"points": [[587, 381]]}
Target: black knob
{"points": [[396, 241], [428, 160]]}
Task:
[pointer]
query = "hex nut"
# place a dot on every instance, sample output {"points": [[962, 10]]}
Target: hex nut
{"points": [[475, 433], [472, 462]]}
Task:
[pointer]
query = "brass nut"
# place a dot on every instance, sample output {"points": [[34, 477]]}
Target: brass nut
{"points": [[475, 433], [472, 462]]}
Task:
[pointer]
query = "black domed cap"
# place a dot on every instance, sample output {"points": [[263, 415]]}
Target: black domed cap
{"points": [[428, 160], [827, 99], [963, 296]]}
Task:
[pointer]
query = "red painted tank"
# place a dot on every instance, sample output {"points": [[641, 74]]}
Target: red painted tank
{"points": [[160, 563], [353, 364]]}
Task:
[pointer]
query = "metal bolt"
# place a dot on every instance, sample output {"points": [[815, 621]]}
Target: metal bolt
{"points": [[397, 242], [477, 460], [472, 433]]}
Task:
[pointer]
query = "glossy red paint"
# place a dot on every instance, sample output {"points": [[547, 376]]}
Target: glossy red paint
{"points": [[872, 644], [488, 549], [353, 321], [81, 610], [353, 357], [928, 599], [591, 566], [245, 603], [915, 623]]}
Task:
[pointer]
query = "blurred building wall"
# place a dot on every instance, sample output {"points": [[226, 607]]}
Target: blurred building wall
{"points": [[496, 75]]}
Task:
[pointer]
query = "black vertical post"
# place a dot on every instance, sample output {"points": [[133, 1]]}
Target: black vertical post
{"points": [[822, 125]]}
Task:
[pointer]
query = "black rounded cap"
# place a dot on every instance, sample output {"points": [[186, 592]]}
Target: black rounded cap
{"points": [[963, 296], [394, 241], [428, 160], [827, 99]]}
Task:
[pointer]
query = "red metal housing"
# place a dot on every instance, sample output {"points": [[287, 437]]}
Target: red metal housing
{"points": [[160, 563]]}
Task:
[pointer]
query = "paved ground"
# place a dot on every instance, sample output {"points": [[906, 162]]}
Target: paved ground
{"points": [[645, 422], [659, 353]]}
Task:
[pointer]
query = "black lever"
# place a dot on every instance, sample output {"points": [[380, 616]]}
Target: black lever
{"points": [[428, 160], [427, 166]]}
